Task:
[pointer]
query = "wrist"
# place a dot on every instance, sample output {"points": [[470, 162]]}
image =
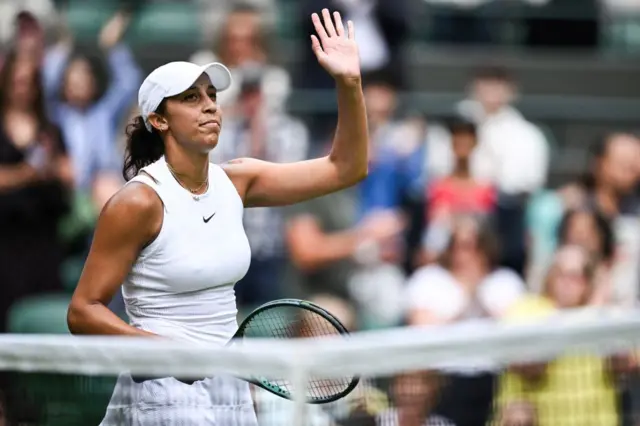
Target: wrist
{"points": [[349, 82]]}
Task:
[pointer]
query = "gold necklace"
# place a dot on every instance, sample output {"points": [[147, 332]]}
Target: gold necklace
{"points": [[195, 191]]}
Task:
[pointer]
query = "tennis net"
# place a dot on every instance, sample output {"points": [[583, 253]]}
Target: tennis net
{"points": [[575, 368]]}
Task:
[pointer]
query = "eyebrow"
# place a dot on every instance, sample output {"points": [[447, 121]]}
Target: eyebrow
{"points": [[209, 87]]}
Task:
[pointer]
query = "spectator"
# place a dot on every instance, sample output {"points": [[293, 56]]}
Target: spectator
{"points": [[258, 132], [573, 389], [458, 193], [512, 152], [328, 244], [28, 36], [465, 285], [415, 395], [589, 229], [394, 142], [608, 188], [89, 113], [35, 177], [17, 18], [243, 41]]}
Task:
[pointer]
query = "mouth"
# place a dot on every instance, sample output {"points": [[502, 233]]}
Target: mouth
{"points": [[210, 124]]}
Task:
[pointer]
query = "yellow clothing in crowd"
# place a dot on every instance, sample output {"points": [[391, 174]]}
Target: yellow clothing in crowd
{"points": [[575, 390]]}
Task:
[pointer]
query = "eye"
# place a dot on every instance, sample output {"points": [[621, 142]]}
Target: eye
{"points": [[190, 97], [213, 96]]}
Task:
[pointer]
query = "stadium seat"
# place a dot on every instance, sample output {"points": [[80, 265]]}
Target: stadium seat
{"points": [[59, 399], [45, 314], [166, 22]]}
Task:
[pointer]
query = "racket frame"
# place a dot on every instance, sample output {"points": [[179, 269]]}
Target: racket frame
{"points": [[309, 306]]}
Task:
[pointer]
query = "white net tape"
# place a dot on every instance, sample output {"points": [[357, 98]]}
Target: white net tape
{"points": [[381, 352]]}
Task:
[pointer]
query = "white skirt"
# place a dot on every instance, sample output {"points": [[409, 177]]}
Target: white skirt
{"points": [[218, 401]]}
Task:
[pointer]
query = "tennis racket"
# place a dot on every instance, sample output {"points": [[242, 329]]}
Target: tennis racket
{"points": [[288, 319], [293, 318]]}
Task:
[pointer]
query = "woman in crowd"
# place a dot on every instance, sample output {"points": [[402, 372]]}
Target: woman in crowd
{"points": [[35, 176], [458, 193], [591, 230], [88, 110], [572, 389], [466, 284]]}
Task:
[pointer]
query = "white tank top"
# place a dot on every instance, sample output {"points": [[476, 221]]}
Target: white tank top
{"points": [[181, 285]]}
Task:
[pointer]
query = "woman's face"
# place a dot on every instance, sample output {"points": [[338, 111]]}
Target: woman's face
{"points": [[193, 117], [582, 231], [240, 38], [80, 84], [465, 250], [22, 90], [569, 284], [463, 144], [415, 393]]}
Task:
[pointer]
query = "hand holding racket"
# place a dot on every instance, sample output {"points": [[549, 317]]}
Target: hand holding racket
{"points": [[288, 319]]}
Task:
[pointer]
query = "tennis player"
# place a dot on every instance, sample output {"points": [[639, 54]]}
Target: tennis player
{"points": [[173, 236]]}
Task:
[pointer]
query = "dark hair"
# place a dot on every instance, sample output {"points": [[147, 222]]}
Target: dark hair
{"points": [[143, 147], [487, 241], [383, 77], [6, 71], [598, 152], [460, 124], [98, 71], [603, 226], [496, 73]]}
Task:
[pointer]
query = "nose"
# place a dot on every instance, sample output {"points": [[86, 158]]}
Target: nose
{"points": [[209, 105]]}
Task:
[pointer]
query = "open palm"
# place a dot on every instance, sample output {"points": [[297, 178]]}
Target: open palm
{"points": [[335, 49]]}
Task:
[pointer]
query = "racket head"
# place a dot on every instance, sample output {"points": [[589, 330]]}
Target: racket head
{"points": [[294, 318]]}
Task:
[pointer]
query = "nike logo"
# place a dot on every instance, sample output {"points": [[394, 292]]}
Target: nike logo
{"points": [[208, 219]]}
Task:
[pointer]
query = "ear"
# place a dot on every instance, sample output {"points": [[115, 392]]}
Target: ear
{"points": [[158, 122]]}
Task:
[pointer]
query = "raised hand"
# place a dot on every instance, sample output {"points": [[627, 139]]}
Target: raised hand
{"points": [[113, 30], [336, 50]]}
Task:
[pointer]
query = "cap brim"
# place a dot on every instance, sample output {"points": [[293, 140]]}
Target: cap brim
{"points": [[218, 74]]}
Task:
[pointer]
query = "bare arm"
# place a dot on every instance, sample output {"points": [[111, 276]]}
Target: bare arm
{"points": [[261, 183], [12, 177], [311, 248], [128, 222]]}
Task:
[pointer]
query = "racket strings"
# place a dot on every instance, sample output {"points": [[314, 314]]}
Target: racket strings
{"points": [[288, 322]]}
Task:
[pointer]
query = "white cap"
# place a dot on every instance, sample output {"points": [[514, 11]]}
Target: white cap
{"points": [[174, 78]]}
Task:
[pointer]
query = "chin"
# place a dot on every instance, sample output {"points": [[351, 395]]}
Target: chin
{"points": [[209, 143]]}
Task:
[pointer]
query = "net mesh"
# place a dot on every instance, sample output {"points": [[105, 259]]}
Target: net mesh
{"points": [[571, 369]]}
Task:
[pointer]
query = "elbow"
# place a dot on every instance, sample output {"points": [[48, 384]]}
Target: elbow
{"points": [[77, 318], [355, 175], [304, 262], [362, 173]]}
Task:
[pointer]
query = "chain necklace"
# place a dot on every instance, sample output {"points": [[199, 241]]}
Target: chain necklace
{"points": [[194, 192]]}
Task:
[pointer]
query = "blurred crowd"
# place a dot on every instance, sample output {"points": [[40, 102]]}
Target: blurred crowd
{"points": [[454, 223]]}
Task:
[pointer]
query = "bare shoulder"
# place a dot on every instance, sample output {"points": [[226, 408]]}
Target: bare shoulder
{"points": [[135, 209], [242, 172]]}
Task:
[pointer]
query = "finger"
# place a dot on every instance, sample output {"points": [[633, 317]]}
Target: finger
{"points": [[352, 30], [338, 21], [319, 27], [316, 47], [315, 44], [328, 23]]}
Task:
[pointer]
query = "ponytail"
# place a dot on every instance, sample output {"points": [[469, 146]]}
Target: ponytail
{"points": [[143, 148]]}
